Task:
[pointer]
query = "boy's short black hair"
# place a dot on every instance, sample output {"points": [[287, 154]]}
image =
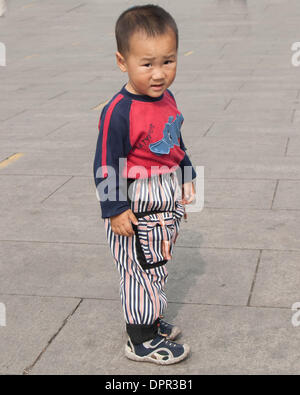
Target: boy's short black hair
{"points": [[151, 19]]}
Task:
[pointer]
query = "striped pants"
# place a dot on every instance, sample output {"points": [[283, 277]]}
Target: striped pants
{"points": [[141, 258]]}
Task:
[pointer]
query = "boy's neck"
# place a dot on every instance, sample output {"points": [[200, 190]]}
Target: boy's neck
{"points": [[140, 96]]}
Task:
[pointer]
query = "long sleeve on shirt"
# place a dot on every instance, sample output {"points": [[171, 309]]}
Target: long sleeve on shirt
{"points": [[112, 146], [189, 174]]}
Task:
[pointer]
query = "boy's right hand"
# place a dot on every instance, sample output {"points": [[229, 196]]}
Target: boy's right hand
{"points": [[121, 223]]}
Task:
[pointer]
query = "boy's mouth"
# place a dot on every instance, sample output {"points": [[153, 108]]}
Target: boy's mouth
{"points": [[157, 87]]}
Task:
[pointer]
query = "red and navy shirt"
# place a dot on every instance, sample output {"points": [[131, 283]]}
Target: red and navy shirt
{"points": [[145, 132]]}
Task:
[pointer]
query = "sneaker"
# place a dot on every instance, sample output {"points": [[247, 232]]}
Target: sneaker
{"points": [[157, 350], [170, 332]]}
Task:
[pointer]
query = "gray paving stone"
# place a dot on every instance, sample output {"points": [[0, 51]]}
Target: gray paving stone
{"points": [[23, 191], [244, 167], [244, 228], [258, 104], [206, 102], [58, 269], [33, 124], [287, 195], [8, 111], [211, 276], [75, 137], [229, 342], [30, 324], [277, 279], [89, 342], [293, 148], [239, 193], [297, 117], [261, 115], [78, 192], [191, 125], [37, 163], [232, 128], [37, 223], [253, 146]]}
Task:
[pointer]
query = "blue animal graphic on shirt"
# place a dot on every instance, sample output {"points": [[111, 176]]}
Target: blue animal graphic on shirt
{"points": [[171, 134]]}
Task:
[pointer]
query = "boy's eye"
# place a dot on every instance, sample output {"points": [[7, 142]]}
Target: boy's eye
{"points": [[168, 61], [147, 65]]}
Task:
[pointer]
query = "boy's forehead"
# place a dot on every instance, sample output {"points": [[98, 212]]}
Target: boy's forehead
{"points": [[143, 45]]}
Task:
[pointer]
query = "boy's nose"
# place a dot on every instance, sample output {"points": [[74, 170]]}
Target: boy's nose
{"points": [[158, 74]]}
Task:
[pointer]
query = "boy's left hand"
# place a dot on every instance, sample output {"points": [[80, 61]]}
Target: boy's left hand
{"points": [[188, 193]]}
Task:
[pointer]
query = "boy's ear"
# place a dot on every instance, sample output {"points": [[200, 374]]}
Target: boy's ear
{"points": [[121, 62]]}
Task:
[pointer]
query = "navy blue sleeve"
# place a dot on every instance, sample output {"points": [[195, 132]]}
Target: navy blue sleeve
{"points": [[189, 174], [113, 146]]}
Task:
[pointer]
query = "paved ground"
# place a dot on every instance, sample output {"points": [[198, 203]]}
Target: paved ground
{"points": [[235, 273]]}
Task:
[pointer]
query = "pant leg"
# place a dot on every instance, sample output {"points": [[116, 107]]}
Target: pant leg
{"points": [[142, 290]]}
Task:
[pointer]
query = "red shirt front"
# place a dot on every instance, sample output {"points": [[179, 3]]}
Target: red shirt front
{"points": [[145, 133]]}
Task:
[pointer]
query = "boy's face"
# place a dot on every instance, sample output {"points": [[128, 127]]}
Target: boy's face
{"points": [[150, 63]]}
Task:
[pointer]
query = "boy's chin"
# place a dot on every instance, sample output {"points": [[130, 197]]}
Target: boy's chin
{"points": [[151, 92], [156, 93]]}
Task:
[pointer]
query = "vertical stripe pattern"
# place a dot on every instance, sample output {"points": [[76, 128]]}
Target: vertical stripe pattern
{"points": [[142, 291]]}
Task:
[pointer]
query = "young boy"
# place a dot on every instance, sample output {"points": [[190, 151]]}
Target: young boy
{"points": [[140, 162]]}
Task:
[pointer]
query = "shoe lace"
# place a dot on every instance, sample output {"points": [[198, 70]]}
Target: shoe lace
{"points": [[169, 343]]}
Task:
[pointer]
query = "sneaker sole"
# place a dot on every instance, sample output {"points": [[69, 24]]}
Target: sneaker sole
{"points": [[131, 355]]}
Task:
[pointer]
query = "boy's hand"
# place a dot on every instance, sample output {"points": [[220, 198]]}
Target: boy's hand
{"points": [[121, 223], [188, 193]]}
